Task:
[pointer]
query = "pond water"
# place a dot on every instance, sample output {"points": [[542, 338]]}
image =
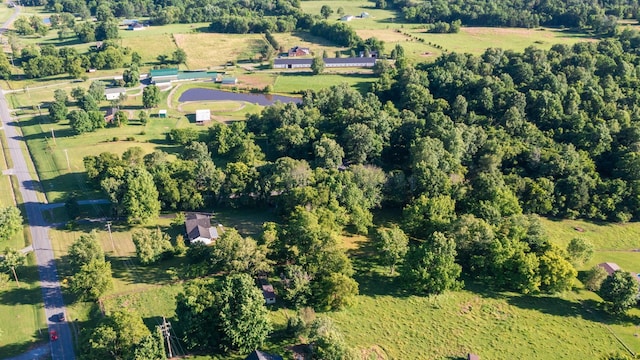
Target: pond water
{"points": [[200, 94]]}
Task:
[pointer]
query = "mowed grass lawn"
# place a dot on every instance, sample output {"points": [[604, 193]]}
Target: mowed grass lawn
{"points": [[296, 81], [22, 319]]}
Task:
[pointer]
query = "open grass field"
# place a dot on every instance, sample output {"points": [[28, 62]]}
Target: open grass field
{"points": [[475, 40], [604, 236], [292, 82], [378, 18], [207, 50], [22, 321]]}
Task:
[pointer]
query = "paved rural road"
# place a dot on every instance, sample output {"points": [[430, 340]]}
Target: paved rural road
{"points": [[51, 293]]}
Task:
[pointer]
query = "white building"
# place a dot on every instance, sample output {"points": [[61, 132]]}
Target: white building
{"points": [[203, 116], [114, 93]]}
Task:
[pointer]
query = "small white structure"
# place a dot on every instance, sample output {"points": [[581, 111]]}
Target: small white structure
{"points": [[162, 113], [114, 93], [203, 116], [347, 18]]}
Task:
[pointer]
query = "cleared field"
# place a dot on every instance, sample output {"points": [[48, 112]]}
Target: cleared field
{"points": [[206, 50], [316, 44], [22, 319], [475, 40], [139, 41], [223, 110]]}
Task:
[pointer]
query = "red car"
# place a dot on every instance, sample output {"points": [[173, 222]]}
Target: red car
{"points": [[54, 335]]}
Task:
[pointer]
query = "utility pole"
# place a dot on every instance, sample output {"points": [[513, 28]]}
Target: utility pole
{"points": [[165, 327], [111, 237], [53, 135], [66, 154]]}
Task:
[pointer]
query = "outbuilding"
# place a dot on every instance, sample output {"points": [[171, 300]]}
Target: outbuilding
{"points": [[203, 116], [114, 93]]}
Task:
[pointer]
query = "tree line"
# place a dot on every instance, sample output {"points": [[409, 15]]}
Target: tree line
{"points": [[600, 17]]}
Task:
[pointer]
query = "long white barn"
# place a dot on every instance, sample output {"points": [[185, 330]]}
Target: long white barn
{"points": [[288, 63]]}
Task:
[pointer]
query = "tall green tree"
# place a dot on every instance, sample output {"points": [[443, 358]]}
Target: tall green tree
{"points": [[317, 65], [140, 196], [85, 249], [234, 254], [93, 280], [13, 259], [326, 11], [151, 245], [10, 222], [150, 96], [122, 335], [392, 245], [620, 291], [430, 268], [580, 251]]}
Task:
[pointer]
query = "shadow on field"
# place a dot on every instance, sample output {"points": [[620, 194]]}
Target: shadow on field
{"points": [[14, 349], [128, 269], [372, 279]]}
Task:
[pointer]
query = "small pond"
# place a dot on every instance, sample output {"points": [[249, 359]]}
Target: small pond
{"points": [[200, 94]]}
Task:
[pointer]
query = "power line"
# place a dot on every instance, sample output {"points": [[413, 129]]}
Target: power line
{"points": [[166, 332]]}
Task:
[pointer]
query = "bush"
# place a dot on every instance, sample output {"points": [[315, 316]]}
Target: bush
{"points": [[131, 138], [115, 138]]}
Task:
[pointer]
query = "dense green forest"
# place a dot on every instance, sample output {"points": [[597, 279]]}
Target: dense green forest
{"points": [[467, 148]]}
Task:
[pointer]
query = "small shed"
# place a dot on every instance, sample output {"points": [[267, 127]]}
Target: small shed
{"points": [[269, 294], [162, 114], [347, 18], [203, 116]]}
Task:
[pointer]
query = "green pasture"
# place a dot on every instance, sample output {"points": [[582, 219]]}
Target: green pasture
{"points": [[475, 40], [378, 18], [604, 236], [293, 82], [22, 320]]}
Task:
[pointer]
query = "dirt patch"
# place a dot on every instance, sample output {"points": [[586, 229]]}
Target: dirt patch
{"points": [[374, 353], [427, 54]]}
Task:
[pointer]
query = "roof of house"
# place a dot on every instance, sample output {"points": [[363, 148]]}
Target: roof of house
{"points": [[610, 267], [267, 291], [164, 72], [261, 355], [296, 48], [111, 111], [162, 111], [199, 225], [115, 90], [189, 75], [473, 357], [129, 21]]}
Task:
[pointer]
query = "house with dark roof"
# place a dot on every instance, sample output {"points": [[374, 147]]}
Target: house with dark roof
{"points": [[269, 294], [261, 355], [110, 114], [198, 228], [299, 51], [288, 63], [135, 26]]}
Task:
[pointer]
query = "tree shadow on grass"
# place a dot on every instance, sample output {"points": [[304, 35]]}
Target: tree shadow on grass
{"points": [[129, 270], [372, 279], [41, 335], [23, 295]]}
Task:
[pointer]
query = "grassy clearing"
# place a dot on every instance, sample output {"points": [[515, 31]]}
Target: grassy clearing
{"points": [[292, 82], [222, 110], [22, 312], [139, 41], [475, 40], [604, 236], [378, 18], [207, 50]]}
